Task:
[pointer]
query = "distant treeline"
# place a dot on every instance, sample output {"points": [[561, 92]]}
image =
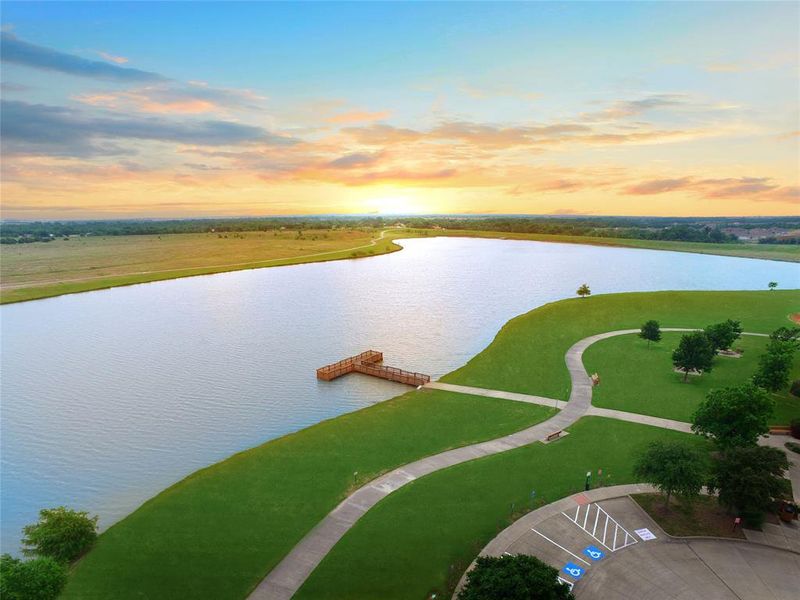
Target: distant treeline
{"points": [[793, 240], [647, 228]]}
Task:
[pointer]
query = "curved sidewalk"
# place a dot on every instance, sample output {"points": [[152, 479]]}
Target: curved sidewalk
{"points": [[289, 575]]}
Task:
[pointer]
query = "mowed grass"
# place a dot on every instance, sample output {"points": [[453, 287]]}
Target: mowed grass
{"points": [[527, 355], [40, 270], [218, 532], [639, 379], [420, 539]]}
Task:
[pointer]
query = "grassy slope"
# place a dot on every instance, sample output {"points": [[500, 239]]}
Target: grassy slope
{"points": [[218, 532], [420, 539], [641, 380], [528, 354], [43, 270]]}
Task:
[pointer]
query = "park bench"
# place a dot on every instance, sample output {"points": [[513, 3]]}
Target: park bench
{"points": [[553, 436]]}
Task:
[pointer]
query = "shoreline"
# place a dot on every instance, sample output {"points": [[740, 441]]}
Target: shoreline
{"points": [[17, 293]]}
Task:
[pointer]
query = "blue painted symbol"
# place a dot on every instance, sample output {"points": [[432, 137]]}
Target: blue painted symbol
{"points": [[573, 570], [594, 553]]}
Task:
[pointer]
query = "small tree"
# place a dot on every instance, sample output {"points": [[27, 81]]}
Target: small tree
{"points": [[786, 334], [61, 533], [774, 366], [36, 579], [517, 577], [734, 416], [748, 479], [694, 353], [722, 335], [772, 285], [584, 290], [651, 332], [673, 467]]}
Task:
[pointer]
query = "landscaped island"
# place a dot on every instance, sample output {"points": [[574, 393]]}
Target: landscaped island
{"points": [[219, 531]]}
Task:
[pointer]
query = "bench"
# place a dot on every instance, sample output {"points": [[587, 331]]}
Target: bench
{"points": [[553, 436]]}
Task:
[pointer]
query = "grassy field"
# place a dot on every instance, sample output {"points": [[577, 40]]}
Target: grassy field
{"points": [[42, 270], [419, 540], [217, 533], [528, 354], [639, 379]]}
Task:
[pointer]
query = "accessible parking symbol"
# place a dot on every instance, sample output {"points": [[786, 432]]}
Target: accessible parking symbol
{"points": [[573, 570], [594, 553]]}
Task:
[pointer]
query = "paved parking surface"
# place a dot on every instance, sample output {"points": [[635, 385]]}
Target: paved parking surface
{"points": [[610, 548]]}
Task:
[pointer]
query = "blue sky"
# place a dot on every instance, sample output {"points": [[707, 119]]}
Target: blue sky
{"points": [[702, 94]]}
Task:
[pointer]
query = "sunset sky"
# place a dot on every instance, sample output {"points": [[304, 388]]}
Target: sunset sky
{"points": [[187, 109]]}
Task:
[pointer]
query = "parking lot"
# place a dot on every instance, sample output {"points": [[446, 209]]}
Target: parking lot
{"points": [[610, 548]]}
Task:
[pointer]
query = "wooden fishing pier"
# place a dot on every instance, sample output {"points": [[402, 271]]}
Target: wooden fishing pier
{"points": [[369, 363]]}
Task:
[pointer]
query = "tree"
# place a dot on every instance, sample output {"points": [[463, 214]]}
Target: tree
{"points": [[61, 533], [37, 579], [772, 285], [517, 577], [694, 353], [748, 479], [786, 334], [651, 332], [774, 366], [734, 416], [584, 290], [673, 467], [722, 335]]}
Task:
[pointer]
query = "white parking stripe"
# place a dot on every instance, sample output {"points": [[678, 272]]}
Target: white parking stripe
{"points": [[560, 546]]}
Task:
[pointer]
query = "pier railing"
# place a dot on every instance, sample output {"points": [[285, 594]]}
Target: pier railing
{"points": [[368, 364]]}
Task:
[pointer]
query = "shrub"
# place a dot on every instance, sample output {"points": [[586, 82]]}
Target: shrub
{"points": [[794, 428], [794, 390], [518, 577], [37, 579], [61, 533], [793, 446]]}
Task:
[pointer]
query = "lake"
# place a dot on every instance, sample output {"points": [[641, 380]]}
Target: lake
{"points": [[110, 396]]}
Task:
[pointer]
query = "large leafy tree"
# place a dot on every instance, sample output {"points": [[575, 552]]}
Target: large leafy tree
{"points": [[694, 353], [518, 577], [734, 416], [747, 479], [37, 579], [584, 290], [675, 468], [722, 335], [60, 533], [651, 331]]}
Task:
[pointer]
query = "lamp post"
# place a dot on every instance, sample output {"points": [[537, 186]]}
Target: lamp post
{"points": [[588, 481]]}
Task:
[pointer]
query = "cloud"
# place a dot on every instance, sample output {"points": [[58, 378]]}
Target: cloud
{"points": [[355, 160], [120, 60], [757, 189], [41, 129], [629, 108], [724, 67], [16, 51], [174, 97], [359, 116]]}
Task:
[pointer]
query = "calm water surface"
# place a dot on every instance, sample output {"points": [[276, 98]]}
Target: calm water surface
{"points": [[110, 396]]}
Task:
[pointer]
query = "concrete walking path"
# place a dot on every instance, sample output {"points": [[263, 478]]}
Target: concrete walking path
{"points": [[289, 575]]}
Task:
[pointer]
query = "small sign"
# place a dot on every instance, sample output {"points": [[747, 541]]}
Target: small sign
{"points": [[594, 553], [573, 570], [645, 534]]}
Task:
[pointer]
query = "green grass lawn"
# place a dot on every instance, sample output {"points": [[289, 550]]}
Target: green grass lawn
{"points": [[420, 539], [528, 353], [639, 379], [218, 532]]}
